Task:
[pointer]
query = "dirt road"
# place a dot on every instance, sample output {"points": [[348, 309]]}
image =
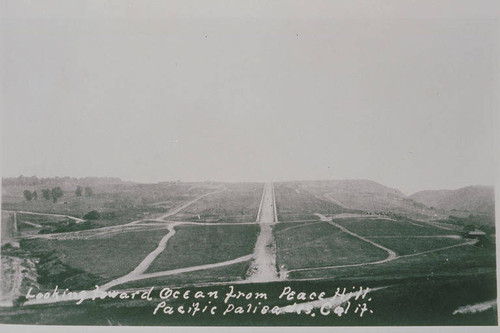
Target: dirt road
{"points": [[263, 268], [92, 233], [391, 254], [144, 265], [76, 219], [178, 209]]}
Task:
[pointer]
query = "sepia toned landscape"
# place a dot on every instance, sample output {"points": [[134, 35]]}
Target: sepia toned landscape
{"points": [[428, 258], [249, 163]]}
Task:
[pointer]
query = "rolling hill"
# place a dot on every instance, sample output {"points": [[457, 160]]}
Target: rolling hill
{"points": [[470, 199], [364, 195]]}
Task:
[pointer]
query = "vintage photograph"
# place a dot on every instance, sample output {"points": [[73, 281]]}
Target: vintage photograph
{"points": [[245, 163]]}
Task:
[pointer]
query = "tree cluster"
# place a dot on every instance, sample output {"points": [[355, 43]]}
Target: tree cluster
{"points": [[53, 194], [28, 195], [56, 193], [79, 191]]}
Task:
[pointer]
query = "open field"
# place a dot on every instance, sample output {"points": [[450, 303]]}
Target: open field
{"points": [[198, 245], [116, 203], [364, 195], [202, 235], [239, 203], [403, 245], [297, 204], [383, 227], [319, 244], [453, 262], [106, 257]]}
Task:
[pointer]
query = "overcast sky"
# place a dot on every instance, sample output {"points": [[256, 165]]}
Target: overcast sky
{"points": [[146, 91]]}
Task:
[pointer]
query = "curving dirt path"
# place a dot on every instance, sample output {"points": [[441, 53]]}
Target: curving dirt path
{"points": [[392, 255]]}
